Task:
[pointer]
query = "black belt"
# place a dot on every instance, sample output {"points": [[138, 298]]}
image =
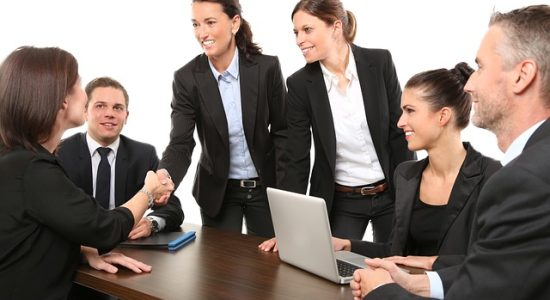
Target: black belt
{"points": [[244, 183], [367, 190]]}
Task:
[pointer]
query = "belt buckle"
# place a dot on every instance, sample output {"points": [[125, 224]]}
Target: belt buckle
{"points": [[367, 191], [249, 184]]}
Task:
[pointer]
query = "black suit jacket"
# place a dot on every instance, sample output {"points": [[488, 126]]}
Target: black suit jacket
{"points": [[309, 112], [133, 161], [460, 210], [509, 256], [197, 102], [44, 218]]}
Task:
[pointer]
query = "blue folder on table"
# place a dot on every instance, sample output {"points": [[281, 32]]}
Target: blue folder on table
{"points": [[162, 240]]}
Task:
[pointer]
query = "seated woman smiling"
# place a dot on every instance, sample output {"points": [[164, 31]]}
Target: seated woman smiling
{"points": [[435, 196]]}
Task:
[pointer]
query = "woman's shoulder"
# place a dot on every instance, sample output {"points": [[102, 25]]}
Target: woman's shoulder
{"points": [[373, 53], [410, 167], [21, 160]]}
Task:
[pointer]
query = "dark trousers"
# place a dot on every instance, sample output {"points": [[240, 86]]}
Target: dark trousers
{"points": [[352, 212], [239, 202]]}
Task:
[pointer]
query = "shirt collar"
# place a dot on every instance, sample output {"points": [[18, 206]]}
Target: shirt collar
{"points": [[351, 72], [232, 70], [93, 145], [518, 144]]}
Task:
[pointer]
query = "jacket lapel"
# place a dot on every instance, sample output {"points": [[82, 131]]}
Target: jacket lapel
{"points": [[85, 165], [408, 184], [367, 78], [468, 178], [249, 76], [211, 98], [121, 172], [322, 114]]}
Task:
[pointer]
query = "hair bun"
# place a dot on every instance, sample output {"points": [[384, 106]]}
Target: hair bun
{"points": [[462, 72]]}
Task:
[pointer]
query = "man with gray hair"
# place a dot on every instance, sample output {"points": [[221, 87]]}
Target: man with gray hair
{"points": [[508, 258]]}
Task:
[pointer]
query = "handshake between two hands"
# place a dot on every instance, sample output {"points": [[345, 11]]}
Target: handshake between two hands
{"points": [[163, 185]]}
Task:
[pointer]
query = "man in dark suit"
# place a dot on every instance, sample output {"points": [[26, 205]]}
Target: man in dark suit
{"points": [[508, 258], [106, 114]]}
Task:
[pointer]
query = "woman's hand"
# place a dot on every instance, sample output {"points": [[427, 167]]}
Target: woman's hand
{"points": [[107, 262], [269, 245], [341, 244], [422, 262]]}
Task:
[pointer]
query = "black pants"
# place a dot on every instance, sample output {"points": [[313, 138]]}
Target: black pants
{"points": [[250, 203], [352, 212]]}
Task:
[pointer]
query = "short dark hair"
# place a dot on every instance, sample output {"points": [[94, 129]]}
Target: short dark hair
{"points": [[445, 88], [527, 35], [329, 11], [243, 37], [105, 82], [34, 82]]}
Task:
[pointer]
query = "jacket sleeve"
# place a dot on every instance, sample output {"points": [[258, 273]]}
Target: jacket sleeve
{"points": [[277, 114], [177, 156], [55, 201], [299, 138]]}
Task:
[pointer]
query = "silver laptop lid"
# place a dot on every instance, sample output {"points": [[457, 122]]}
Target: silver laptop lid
{"points": [[303, 232]]}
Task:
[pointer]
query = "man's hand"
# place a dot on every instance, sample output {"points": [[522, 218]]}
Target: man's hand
{"points": [[416, 284], [107, 261], [269, 245], [142, 229], [366, 280]]}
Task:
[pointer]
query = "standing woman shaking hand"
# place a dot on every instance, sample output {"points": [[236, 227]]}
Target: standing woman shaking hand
{"points": [[235, 97], [348, 98], [44, 216]]}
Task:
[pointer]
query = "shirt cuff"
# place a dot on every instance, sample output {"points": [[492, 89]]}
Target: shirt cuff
{"points": [[160, 221], [436, 285]]}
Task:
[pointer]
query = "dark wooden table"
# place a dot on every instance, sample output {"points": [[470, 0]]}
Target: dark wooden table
{"points": [[217, 265]]}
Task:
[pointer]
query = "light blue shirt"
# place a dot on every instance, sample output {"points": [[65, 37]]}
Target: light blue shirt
{"points": [[513, 151], [240, 161]]}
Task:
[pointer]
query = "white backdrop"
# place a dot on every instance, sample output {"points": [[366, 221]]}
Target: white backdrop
{"points": [[142, 42]]}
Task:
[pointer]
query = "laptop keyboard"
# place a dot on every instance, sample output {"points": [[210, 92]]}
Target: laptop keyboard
{"points": [[346, 269]]}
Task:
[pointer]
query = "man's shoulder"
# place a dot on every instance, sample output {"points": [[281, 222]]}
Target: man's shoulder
{"points": [[70, 145], [135, 145], [73, 139]]}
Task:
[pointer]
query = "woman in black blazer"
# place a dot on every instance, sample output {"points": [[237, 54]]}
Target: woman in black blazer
{"points": [[235, 97], [348, 98], [44, 216], [435, 197]]}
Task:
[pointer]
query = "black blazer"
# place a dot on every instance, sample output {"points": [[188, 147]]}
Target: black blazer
{"points": [[44, 218], [509, 255], [460, 210], [133, 161], [197, 102], [309, 112]]}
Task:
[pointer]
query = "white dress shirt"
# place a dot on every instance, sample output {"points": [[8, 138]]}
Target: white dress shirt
{"points": [[356, 159], [111, 157]]}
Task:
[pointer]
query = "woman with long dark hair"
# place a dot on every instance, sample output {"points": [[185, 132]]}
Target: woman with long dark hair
{"points": [[235, 97]]}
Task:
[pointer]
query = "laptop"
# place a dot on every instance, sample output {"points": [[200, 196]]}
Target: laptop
{"points": [[304, 239]]}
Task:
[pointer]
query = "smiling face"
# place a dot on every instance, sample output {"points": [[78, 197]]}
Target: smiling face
{"points": [[106, 114], [420, 122], [214, 30], [313, 36], [487, 85]]}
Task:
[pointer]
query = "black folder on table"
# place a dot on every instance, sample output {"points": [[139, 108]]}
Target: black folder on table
{"points": [[162, 240]]}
